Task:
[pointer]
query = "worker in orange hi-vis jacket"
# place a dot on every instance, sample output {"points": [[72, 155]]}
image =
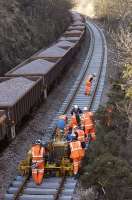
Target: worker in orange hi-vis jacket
{"points": [[81, 136], [73, 121], [89, 84], [88, 123], [77, 112], [38, 161], [77, 153]]}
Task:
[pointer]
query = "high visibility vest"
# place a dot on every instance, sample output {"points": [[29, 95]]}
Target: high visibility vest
{"points": [[37, 153], [88, 84], [87, 120], [73, 121], [76, 150], [81, 135]]}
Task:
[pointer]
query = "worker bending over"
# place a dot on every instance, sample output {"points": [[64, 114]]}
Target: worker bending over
{"points": [[76, 111], [38, 152], [88, 123], [77, 153], [89, 84], [81, 136], [73, 121], [70, 135]]}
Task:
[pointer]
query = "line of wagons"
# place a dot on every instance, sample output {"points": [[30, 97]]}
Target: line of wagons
{"points": [[23, 86]]}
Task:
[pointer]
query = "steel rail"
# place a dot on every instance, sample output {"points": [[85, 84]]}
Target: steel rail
{"points": [[74, 93], [57, 195], [99, 74], [84, 70], [17, 194]]}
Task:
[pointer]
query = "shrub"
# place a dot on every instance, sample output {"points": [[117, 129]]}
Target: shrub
{"points": [[28, 25], [112, 173]]}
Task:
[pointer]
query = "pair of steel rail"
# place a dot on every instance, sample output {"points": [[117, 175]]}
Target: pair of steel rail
{"points": [[63, 188]]}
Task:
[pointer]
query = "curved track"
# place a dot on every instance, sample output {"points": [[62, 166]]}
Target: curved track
{"points": [[63, 188]]}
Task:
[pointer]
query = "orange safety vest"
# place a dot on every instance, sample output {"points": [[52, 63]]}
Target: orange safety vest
{"points": [[73, 121], [76, 150], [37, 159], [88, 84], [87, 120], [88, 87], [37, 154], [81, 135]]}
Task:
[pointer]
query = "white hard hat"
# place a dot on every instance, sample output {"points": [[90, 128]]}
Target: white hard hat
{"points": [[90, 76], [76, 106], [85, 108]]}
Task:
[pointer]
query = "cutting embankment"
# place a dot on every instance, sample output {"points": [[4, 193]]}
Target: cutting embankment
{"points": [[27, 26]]}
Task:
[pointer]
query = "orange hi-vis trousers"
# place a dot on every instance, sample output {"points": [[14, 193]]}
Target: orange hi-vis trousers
{"points": [[38, 173], [73, 121], [77, 154], [88, 88], [76, 165]]}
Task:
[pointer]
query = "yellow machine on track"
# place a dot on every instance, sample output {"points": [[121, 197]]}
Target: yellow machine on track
{"points": [[57, 162]]}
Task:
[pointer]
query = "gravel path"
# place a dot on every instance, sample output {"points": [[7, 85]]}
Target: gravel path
{"points": [[16, 151]]}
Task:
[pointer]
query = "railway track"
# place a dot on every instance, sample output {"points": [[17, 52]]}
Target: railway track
{"points": [[62, 188]]}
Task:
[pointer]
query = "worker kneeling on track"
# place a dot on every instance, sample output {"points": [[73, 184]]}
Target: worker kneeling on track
{"points": [[77, 153], [70, 135], [38, 152], [81, 136], [88, 124]]}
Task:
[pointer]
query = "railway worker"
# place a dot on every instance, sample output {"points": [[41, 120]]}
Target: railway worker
{"points": [[76, 111], [70, 135], [81, 136], [77, 153], [73, 121], [89, 84], [88, 124], [38, 152]]}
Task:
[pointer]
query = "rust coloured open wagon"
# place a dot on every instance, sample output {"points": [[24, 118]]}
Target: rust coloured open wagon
{"points": [[18, 96]]}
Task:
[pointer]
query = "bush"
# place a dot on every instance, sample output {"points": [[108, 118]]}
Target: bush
{"points": [[29, 25], [112, 173], [105, 163], [113, 10]]}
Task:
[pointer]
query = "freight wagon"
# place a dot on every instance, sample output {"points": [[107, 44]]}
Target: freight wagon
{"points": [[81, 28], [17, 96], [47, 65], [3, 124]]}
